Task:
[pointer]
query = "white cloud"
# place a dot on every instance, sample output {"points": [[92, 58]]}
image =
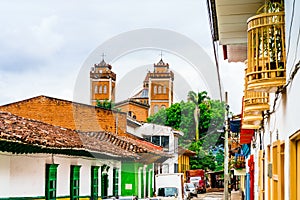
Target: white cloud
{"points": [[44, 43], [46, 40], [41, 40]]}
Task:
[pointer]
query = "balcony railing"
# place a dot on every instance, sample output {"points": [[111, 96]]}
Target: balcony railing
{"points": [[252, 120], [254, 104], [256, 101], [266, 52]]}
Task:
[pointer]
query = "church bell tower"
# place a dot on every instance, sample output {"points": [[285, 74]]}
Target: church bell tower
{"points": [[102, 83], [160, 87]]}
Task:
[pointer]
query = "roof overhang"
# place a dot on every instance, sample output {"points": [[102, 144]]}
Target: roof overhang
{"points": [[230, 25], [232, 16]]}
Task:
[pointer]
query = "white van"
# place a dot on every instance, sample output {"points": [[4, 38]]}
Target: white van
{"points": [[169, 186]]}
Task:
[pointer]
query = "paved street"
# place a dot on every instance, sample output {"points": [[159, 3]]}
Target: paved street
{"points": [[210, 195], [235, 195]]}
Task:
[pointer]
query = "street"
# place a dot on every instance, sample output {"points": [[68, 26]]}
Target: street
{"points": [[217, 196], [209, 195]]}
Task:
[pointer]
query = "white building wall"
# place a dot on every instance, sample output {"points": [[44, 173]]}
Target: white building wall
{"points": [[285, 121], [63, 175], [27, 176], [24, 175], [4, 175], [85, 176]]}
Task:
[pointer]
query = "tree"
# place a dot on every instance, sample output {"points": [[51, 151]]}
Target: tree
{"points": [[181, 116], [213, 136], [204, 159], [220, 160], [178, 116], [200, 101]]}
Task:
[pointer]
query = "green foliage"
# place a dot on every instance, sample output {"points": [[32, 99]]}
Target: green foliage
{"points": [[178, 116], [105, 104], [271, 7], [204, 159], [220, 160], [181, 116]]}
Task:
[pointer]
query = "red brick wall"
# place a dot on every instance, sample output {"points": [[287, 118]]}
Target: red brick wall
{"points": [[68, 114]]}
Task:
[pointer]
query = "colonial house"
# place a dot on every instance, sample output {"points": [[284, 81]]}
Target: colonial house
{"points": [[265, 36], [134, 172], [43, 161]]}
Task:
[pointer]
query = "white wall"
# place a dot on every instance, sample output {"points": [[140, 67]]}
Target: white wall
{"points": [[4, 174], [27, 175], [24, 175], [285, 121]]}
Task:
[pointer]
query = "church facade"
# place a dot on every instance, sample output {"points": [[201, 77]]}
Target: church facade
{"points": [[156, 94]]}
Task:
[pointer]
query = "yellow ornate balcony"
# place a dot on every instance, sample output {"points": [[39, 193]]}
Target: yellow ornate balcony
{"points": [[256, 102], [252, 120], [250, 126], [266, 52]]}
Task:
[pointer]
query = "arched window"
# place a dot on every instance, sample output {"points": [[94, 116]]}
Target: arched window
{"points": [[159, 90], [163, 107], [100, 89], [155, 89], [104, 89], [96, 89], [129, 113], [155, 109], [165, 89]]}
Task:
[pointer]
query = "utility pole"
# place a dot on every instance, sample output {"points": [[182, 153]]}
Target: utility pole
{"points": [[226, 175]]}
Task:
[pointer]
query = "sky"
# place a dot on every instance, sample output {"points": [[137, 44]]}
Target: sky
{"points": [[48, 47]]}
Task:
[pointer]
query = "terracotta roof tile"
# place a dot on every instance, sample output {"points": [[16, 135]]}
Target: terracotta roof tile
{"points": [[26, 131]]}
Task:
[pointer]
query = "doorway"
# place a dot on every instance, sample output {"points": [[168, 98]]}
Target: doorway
{"points": [[295, 166]]}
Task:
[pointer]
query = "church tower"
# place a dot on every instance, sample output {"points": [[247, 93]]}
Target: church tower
{"points": [[102, 82], [160, 83]]}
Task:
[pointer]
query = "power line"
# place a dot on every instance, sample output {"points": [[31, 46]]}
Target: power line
{"points": [[214, 48]]}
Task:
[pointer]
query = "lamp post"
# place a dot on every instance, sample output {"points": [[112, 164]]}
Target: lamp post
{"points": [[226, 175]]}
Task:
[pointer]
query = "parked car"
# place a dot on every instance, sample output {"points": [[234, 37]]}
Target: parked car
{"points": [[190, 190], [195, 180]]}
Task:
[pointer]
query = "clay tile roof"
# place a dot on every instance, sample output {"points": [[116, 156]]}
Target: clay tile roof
{"points": [[15, 129], [19, 129], [31, 132]]}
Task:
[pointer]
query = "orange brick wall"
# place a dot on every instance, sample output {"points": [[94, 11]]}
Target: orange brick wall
{"points": [[160, 104], [140, 112], [69, 115]]}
